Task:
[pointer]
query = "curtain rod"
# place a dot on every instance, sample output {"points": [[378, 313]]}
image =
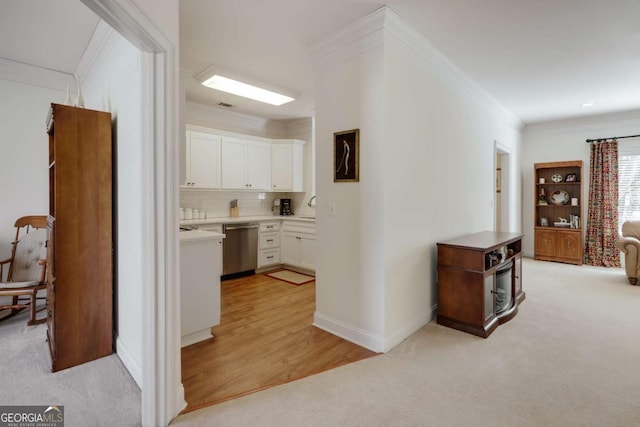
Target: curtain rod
{"points": [[612, 137]]}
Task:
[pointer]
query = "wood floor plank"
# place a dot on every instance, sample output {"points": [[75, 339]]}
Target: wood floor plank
{"points": [[265, 338]]}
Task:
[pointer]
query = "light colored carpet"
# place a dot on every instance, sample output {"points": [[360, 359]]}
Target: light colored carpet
{"points": [[291, 277], [98, 393], [571, 357]]}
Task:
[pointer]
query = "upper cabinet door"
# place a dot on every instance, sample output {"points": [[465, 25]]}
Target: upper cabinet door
{"points": [[203, 160], [286, 165], [258, 165], [281, 167], [234, 163]]}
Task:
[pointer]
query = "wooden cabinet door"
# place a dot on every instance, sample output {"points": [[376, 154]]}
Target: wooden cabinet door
{"points": [[545, 243], [568, 245], [203, 160]]}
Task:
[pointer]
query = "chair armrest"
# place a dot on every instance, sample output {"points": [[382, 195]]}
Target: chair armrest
{"points": [[630, 246], [2, 263], [43, 263], [624, 243]]}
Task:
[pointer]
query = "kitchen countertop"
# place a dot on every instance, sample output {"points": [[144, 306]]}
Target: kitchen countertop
{"points": [[232, 220], [193, 235]]}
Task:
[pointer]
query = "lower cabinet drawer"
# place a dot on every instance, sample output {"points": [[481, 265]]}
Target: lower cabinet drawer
{"points": [[269, 240], [268, 257]]}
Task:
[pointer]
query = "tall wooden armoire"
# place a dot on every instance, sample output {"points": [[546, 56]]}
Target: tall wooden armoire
{"points": [[80, 251]]}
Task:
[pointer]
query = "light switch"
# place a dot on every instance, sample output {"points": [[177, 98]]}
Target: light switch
{"points": [[332, 209]]}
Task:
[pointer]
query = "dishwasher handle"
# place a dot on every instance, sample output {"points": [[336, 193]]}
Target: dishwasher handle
{"points": [[240, 227]]}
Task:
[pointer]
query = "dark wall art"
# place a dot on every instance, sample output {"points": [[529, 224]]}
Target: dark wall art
{"points": [[346, 156]]}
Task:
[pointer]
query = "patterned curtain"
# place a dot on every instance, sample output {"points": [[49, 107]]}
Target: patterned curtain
{"points": [[602, 221]]}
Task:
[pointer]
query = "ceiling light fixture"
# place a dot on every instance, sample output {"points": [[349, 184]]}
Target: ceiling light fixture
{"points": [[229, 82], [588, 104]]}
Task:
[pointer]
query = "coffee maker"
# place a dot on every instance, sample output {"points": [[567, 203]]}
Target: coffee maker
{"points": [[285, 207]]}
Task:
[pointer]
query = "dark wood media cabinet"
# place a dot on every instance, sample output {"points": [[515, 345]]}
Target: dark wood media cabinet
{"points": [[479, 281]]}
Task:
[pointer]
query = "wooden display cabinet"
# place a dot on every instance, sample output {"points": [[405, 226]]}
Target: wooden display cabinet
{"points": [[556, 185], [479, 281], [80, 246]]}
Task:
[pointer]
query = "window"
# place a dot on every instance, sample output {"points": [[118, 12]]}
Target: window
{"points": [[628, 181]]}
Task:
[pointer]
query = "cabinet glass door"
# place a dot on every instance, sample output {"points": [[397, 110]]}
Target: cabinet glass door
{"points": [[488, 297]]}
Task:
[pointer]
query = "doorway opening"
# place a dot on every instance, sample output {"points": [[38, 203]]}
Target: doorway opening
{"points": [[502, 194]]}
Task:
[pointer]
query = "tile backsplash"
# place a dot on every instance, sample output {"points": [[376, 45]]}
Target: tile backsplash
{"points": [[216, 203]]}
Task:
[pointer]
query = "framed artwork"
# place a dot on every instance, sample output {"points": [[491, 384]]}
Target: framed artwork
{"points": [[346, 156], [498, 180], [571, 177]]}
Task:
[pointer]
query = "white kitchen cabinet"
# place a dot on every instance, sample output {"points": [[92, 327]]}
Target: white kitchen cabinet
{"points": [[245, 164], [200, 270], [298, 244], [203, 160], [287, 165], [269, 244]]}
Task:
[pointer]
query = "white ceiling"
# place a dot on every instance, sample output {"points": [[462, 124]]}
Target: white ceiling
{"points": [[541, 59]]}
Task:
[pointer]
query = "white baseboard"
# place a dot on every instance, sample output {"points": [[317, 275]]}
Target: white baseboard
{"points": [[367, 339], [411, 328], [129, 362], [349, 332], [195, 337]]}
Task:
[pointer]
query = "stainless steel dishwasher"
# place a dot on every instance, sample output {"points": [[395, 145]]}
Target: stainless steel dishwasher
{"points": [[240, 248]]}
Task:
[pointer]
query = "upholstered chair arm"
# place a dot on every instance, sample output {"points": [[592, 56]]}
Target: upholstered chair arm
{"points": [[630, 246]]}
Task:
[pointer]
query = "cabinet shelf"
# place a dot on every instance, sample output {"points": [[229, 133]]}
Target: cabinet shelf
{"points": [[558, 243]]}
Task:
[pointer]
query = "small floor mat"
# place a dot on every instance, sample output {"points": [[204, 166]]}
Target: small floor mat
{"points": [[291, 277]]}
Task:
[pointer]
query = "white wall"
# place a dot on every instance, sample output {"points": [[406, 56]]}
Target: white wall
{"points": [[427, 156], [565, 140], [24, 176], [113, 83]]}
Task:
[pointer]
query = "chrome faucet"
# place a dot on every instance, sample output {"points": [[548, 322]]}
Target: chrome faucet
{"points": [[311, 200]]}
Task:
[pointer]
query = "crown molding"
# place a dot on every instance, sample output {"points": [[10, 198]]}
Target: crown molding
{"points": [[449, 73], [361, 36], [629, 118], [96, 45], [20, 72], [369, 33], [224, 119]]}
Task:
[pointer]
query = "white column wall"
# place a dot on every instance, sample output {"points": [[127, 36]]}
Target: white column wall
{"points": [[113, 83], [427, 165], [439, 154], [350, 245]]}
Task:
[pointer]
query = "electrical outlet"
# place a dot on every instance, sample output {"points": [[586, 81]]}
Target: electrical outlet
{"points": [[332, 209]]}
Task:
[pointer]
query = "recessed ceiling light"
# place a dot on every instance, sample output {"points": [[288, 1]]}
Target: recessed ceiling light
{"points": [[588, 104], [230, 82]]}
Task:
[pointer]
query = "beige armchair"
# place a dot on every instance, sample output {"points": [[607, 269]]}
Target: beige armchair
{"points": [[629, 245]]}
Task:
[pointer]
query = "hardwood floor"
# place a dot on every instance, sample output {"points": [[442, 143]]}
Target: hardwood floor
{"points": [[265, 338]]}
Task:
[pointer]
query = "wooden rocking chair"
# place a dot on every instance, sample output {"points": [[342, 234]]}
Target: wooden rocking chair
{"points": [[26, 268]]}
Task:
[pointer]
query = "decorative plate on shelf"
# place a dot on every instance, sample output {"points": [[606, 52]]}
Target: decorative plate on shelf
{"points": [[556, 177], [559, 197]]}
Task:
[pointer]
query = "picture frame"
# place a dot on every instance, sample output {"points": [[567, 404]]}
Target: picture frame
{"points": [[571, 177], [498, 180], [346, 156], [544, 222]]}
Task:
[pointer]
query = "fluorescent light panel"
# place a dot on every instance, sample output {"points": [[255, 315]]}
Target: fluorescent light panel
{"points": [[235, 87]]}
